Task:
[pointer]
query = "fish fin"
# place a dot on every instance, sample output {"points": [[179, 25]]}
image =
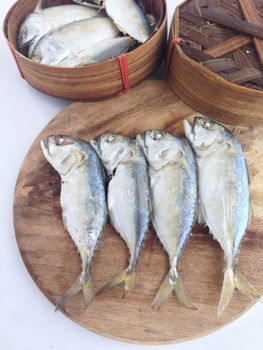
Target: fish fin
{"points": [[227, 291], [64, 220], [182, 294], [79, 157], [234, 149], [245, 287], [88, 292], [38, 8], [231, 281], [70, 293], [166, 289], [79, 284], [85, 58], [163, 294], [125, 277], [120, 29]]}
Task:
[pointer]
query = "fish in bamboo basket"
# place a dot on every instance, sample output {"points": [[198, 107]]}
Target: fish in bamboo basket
{"points": [[96, 81]]}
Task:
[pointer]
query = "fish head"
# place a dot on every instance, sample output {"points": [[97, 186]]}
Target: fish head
{"points": [[160, 148], [206, 135], [33, 27], [63, 152], [48, 51], [113, 149]]}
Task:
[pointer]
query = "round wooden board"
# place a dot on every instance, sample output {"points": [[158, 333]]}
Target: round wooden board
{"points": [[52, 259]]}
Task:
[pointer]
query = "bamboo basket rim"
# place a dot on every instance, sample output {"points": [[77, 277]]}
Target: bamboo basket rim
{"points": [[205, 70], [82, 68]]}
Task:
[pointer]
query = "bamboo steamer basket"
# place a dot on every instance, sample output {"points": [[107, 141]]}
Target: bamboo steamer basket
{"points": [[207, 92], [92, 82]]}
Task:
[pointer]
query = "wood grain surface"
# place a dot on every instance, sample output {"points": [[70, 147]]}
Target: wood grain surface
{"points": [[52, 259]]}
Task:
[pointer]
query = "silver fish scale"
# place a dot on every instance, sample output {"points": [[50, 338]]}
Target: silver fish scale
{"points": [[242, 202], [232, 200], [129, 18], [188, 204], [83, 202], [223, 197], [141, 216], [72, 40], [129, 196], [182, 178]]}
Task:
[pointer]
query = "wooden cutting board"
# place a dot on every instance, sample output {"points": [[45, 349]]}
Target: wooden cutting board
{"points": [[52, 259]]}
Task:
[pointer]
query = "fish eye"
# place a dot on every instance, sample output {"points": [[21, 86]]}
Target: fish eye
{"points": [[111, 137], [22, 36], [209, 124], [59, 140], [63, 141], [157, 135], [36, 59]]}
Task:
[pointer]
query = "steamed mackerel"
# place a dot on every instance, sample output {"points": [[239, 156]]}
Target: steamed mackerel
{"points": [[106, 50], [174, 198], [127, 16], [82, 201], [224, 202], [128, 198], [103, 51], [62, 47], [42, 21]]}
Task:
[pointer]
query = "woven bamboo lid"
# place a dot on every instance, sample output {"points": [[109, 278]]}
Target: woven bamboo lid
{"points": [[210, 61]]}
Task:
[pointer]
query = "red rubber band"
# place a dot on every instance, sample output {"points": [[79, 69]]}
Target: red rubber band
{"points": [[11, 47], [124, 74], [174, 41]]}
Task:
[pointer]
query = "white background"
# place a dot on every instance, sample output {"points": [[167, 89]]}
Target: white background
{"points": [[27, 318]]}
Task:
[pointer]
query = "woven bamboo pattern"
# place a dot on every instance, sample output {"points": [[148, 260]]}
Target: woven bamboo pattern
{"points": [[241, 65], [210, 68]]}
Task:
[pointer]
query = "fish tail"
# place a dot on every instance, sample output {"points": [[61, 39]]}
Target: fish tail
{"points": [[88, 292], [182, 294], [70, 293], [81, 283], [227, 291], [125, 277], [163, 293], [168, 286], [245, 287], [231, 281]]}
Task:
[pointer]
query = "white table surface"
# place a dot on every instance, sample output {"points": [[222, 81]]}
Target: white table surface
{"points": [[27, 318]]}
